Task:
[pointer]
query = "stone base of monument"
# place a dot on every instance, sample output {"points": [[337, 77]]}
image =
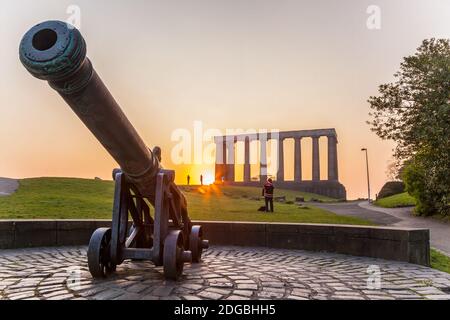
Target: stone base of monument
{"points": [[333, 189], [399, 244]]}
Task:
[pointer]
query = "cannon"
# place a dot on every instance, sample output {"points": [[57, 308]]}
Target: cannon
{"points": [[56, 52]]}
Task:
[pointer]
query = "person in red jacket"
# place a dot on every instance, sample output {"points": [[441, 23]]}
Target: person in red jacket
{"points": [[268, 194]]}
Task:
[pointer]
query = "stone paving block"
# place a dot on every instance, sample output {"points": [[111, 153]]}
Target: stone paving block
{"points": [[61, 297], [209, 295], [438, 297], [233, 297], [49, 290], [192, 286], [247, 286], [91, 291], [22, 295], [270, 295], [162, 291], [129, 296], [136, 288], [245, 293], [219, 291], [108, 294], [221, 284], [191, 297], [296, 298], [170, 298], [150, 297], [56, 293], [245, 281]]}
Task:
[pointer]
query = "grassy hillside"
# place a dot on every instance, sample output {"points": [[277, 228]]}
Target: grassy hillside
{"points": [[67, 198], [59, 198], [397, 200]]}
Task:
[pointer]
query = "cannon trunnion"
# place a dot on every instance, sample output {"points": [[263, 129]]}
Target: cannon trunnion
{"points": [[56, 52]]}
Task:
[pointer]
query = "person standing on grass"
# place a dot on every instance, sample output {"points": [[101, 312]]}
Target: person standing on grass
{"points": [[268, 194], [188, 179], [201, 179]]}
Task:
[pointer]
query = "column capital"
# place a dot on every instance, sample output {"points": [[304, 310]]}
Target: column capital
{"points": [[332, 137]]}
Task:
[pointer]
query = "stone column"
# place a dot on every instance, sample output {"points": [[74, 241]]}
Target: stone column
{"points": [[221, 159], [247, 169], [263, 160], [230, 158], [332, 158], [298, 160], [315, 159], [280, 171]]}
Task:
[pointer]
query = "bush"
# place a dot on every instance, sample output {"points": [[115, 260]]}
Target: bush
{"points": [[391, 188], [430, 199]]}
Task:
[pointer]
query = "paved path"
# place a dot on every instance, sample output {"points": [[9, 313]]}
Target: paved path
{"points": [[397, 217], [8, 186], [354, 210], [225, 273], [439, 231]]}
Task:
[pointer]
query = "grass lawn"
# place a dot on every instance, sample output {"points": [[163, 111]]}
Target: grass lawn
{"points": [[439, 261], [69, 198], [395, 201]]}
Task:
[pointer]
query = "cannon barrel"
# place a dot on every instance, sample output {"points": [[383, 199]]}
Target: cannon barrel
{"points": [[56, 52]]}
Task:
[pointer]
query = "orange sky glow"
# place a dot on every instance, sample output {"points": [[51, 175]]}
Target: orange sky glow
{"points": [[267, 64]]}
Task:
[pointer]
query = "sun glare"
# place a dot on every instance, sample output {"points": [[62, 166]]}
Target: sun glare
{"points": [[208, 178]]}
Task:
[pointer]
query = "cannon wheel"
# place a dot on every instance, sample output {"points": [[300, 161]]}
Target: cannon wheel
{"points": [[196, 243], [99, 261], [172, 256]]}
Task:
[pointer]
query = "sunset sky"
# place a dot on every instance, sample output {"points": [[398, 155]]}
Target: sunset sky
{"points": [[260, 64]]}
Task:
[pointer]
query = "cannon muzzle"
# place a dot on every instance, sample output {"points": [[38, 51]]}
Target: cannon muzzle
{"points": [[56, 52]]}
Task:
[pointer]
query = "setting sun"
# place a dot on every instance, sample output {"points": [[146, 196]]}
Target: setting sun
{"points": [[208, 178]]}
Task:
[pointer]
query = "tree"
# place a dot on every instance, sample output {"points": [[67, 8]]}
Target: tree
{"points": [[414, 111]]}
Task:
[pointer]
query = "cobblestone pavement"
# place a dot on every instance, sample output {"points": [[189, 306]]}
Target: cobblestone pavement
{"points": [[225, 273], [353, 209]]}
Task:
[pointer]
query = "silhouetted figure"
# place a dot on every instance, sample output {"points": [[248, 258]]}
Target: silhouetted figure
{"points": [[188, 179], [201, 179], [268, 194]]}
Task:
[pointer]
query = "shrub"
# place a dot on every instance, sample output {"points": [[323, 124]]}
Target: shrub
{"points": [[430, 199]]}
